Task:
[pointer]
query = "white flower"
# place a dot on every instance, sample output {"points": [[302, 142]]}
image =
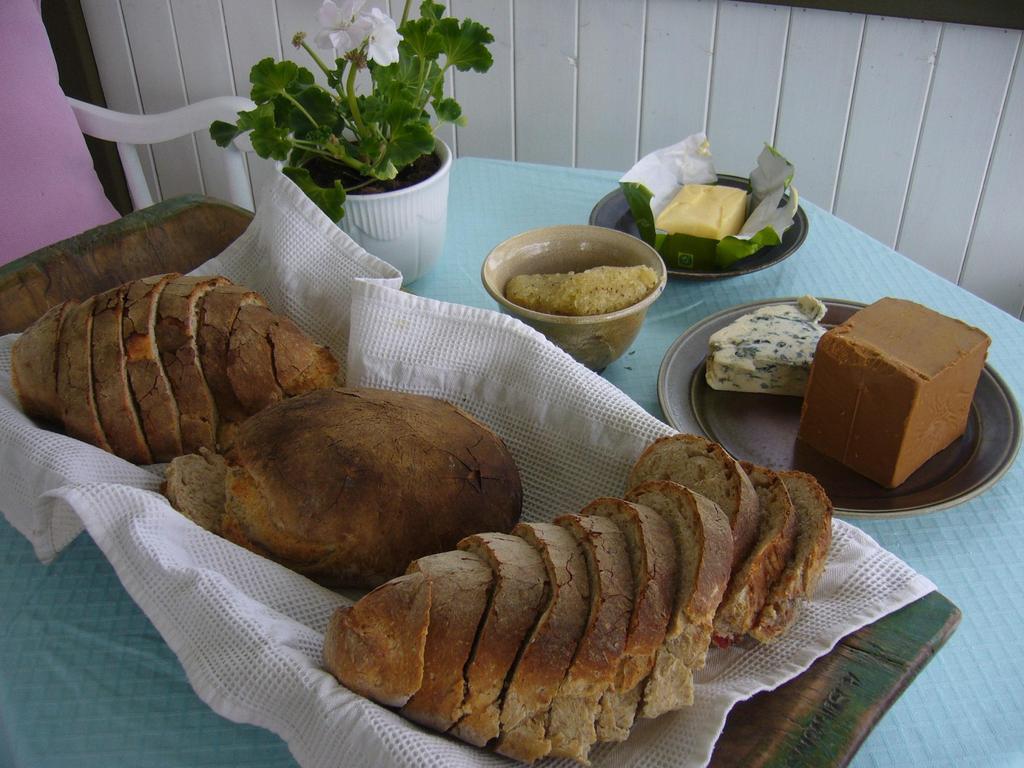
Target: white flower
{"points": [[384, 38], [344, 27]]}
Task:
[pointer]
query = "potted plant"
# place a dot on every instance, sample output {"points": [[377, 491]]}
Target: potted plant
{"points": [[368, 156]]}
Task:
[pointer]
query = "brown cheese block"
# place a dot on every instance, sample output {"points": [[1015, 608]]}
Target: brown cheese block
{"points": [[377, 647], [461, 583], [575, 709], [749, 586], [115, 405], [74, 377], [891, 387], [708, 469], [652, 554], [176, 331], [703, 540], [549, 649], [34, 365], [516, 600], [149, 385]]}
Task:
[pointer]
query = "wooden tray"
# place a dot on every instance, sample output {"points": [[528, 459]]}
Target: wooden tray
{"points": [[817, 719]]}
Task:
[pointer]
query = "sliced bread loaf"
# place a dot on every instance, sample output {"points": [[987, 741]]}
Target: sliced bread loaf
{"points": [[576, 706], [549, 649], [800, 577], [34, 365], [74, 377], [460, 587], [703, 542], [748, 587], [176, 337], [520, 581], [115, 406], [708, 469], [150, 388], [652, 553], [250, 361], [377, 647]]}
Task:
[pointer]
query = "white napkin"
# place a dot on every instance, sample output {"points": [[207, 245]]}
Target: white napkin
{"points": [[249, 632]]}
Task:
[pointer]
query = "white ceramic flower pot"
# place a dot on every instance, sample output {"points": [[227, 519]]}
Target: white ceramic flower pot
{"points": [[406, 227]]}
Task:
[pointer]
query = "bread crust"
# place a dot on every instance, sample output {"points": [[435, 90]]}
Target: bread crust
{"points": [[115, 406], [34, 365], [520, 582], [311, 478], [149, 385], [748, 588], [461, 583], [549, 649], [707, 468], [176, 331], [74, 377], [574, 711], [377, 647]]}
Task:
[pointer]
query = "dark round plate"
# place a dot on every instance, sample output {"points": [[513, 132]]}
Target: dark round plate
{"points": [[612, 211], [762, 429]]}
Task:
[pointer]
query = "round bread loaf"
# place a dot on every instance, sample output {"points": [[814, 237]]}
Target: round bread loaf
{"points": [[348, 486]]}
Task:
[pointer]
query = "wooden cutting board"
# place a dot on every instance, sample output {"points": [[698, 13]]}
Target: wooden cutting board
{"points": [[818, 719]]}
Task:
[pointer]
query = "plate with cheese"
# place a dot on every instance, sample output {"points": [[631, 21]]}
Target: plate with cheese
{"points": [[613, 211], [758, 356]]}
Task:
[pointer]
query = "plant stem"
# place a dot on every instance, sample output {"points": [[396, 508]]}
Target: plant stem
{"points": [[405, 12], [316, 58], [350, 87], [314, 149]]}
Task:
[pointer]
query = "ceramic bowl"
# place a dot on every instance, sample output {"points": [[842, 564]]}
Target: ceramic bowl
{"points": [[594, 340]]}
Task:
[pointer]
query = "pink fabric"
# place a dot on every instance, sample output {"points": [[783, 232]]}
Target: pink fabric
{"points": [[48, 188]]}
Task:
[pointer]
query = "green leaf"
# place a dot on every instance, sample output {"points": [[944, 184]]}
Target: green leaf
{"points": [[330, 200], [465, 44], [271, 78], [688, 252], [431, 10], [224, 133], [448, 110], [409, 141], [419, 40], [320, 105], [639, 199]]}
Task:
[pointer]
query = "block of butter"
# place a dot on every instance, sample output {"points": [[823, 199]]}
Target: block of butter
{"points": [[891, 387], [704, 210]]}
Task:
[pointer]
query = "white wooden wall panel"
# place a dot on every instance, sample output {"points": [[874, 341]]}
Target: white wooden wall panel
{"points": [[995, 257], [817, 87], [114, 61], [919, 145], [610, 65], [745, 79], [893, 77], [971, 76], [487, 101], [251, 35], [679, 42], [151, 32], [545, 68]]}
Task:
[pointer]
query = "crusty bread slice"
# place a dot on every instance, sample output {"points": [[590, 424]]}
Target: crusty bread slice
{"points": [[520, 582], [115, 405], [300, 364], [377, 647], [34, 365], [748, 588], [652, 555], [707, 468], [217, 312], [800, 577], [194, 484], [703, 541], [150, 388], [575, 708], [250, 362], [460, 586], [176, 331], [549, 649], [74, 377]]}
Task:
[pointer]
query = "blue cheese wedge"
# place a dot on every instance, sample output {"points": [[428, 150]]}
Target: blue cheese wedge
{"points": [[769, 350]]}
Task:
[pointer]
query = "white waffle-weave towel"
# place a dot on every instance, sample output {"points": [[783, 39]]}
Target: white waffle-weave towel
{"points": [[249, 632]]}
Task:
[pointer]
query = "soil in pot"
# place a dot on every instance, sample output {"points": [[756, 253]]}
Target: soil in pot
{"points": [[325, 173]]}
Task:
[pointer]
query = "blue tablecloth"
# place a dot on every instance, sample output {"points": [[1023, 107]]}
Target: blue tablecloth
{"points": [[86, 680]]}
